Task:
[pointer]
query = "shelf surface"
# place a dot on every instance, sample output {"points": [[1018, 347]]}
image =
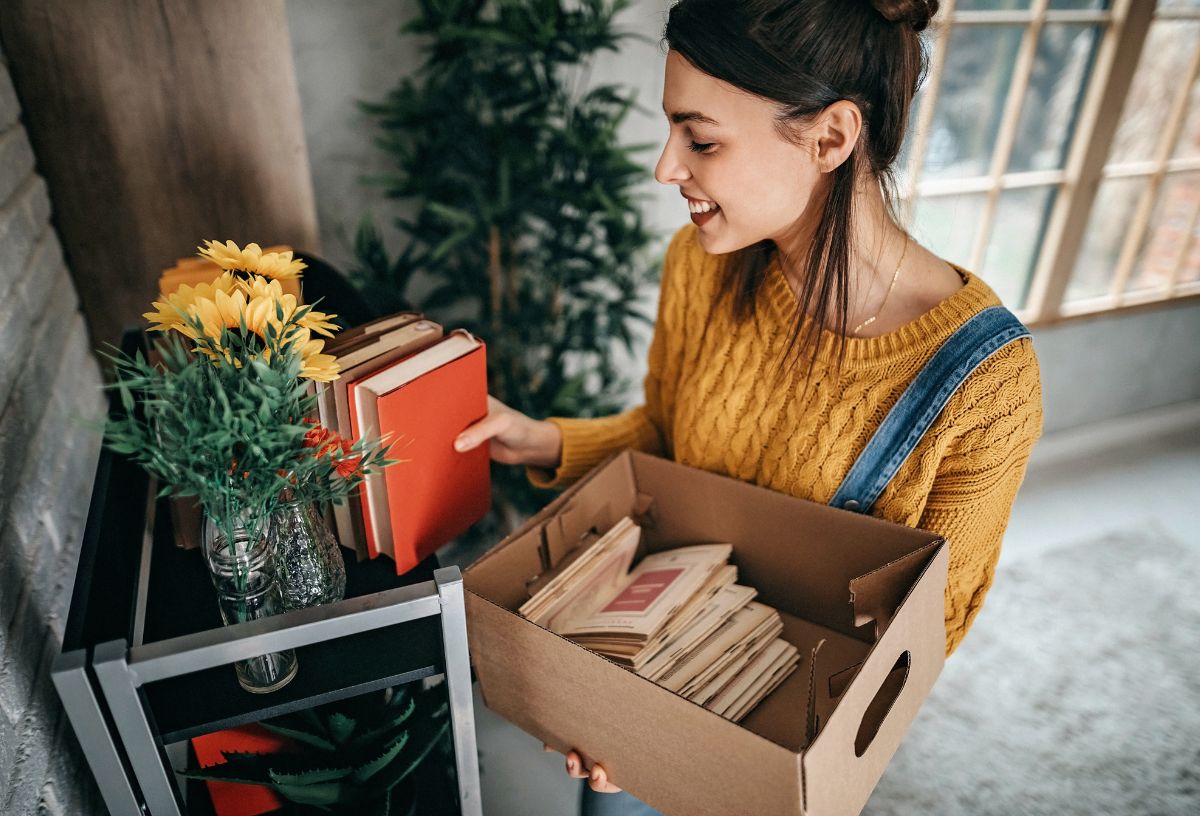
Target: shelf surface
{"points": [[198, 703]]}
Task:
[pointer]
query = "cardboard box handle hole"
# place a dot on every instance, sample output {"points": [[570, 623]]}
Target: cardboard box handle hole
{"points": [[881, 704]]}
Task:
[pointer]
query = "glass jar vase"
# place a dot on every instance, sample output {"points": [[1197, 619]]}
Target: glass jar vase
{"points": [[308, 560], [243, 573]]}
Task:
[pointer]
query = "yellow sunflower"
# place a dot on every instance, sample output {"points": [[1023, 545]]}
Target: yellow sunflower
{"points": [[274, 265], [260, 288], [171, 313], [315, 365]]}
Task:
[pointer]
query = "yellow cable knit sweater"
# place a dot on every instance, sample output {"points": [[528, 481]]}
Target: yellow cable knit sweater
{"points": [[710, 404]]}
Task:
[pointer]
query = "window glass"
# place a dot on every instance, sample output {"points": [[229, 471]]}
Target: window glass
{"points": [[1048, 113], [1168, 232], [1167, 52], [1110, 220], [1016, 239], [1188, 145], [974, 84], [947, 224]]}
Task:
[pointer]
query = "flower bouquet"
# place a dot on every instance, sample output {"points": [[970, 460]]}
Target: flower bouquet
{"points": [[222, 416]]}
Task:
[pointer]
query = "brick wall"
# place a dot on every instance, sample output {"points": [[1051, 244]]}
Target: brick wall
{"points": [[49, 391]]}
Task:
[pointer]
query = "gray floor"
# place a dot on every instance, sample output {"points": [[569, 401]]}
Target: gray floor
{"points": [[1080, 484]]}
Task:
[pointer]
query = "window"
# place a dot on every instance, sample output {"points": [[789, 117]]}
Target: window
{"points": [[1055, 151]]}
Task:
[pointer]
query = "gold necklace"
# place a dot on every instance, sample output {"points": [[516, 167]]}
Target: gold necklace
{"points": [[892, 286]]}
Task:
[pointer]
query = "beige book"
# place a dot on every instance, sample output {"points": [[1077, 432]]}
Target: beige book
{"points": [[595, 574], [747, 624], [754, 676], [656, 589], [634, 655], [718, 674], [729, 674], [758, 694], [348, 339], [716, 613]]}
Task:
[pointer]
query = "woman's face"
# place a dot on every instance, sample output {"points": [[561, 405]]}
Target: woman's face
{"points": [[724, 150]]}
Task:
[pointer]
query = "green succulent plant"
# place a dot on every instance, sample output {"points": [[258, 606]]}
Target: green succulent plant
{"points": [[354, 756]]}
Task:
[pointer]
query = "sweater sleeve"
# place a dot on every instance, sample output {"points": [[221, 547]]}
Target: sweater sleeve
{"points": [[976, 485], [587, 442]]}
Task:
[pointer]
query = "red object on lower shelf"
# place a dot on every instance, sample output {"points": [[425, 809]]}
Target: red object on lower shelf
{"points": [[235, 798]]}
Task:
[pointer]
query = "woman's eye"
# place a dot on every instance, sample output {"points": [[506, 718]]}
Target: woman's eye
{"points": [[697, 147]]}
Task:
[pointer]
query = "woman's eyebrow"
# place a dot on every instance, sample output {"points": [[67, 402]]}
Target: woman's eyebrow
{"points": [[691, 116]]}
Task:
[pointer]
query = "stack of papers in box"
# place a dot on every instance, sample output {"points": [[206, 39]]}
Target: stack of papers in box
{"points": [[678, 617]]}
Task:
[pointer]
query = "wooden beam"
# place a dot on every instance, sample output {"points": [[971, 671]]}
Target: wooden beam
{"points": [[1095, 128], [157, 125]]}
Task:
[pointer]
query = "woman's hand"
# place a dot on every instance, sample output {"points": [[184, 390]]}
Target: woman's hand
{"points": [[595, 774], [515, 438]]}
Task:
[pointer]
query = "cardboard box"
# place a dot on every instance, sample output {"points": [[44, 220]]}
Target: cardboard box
{"points": [[861, 598]]}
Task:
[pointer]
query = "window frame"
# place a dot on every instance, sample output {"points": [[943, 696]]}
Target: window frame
{"points": [[1124, 29]]}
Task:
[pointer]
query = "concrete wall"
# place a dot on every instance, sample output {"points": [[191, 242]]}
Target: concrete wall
{"points": [[1092, 369], [49, 382]]}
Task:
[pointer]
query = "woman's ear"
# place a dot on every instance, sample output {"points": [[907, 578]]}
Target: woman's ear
{"points": [[835, 134]]}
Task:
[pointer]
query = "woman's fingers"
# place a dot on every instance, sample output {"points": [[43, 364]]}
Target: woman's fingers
{"points": [[596, 776], [496, 422], [575, 767], [598, 780]]}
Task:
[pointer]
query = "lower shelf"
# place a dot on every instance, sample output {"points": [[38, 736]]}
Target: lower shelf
{"points": [[205, 701]]}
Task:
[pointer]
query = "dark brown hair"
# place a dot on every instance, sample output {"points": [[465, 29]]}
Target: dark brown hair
{"points": [[805, 55]]}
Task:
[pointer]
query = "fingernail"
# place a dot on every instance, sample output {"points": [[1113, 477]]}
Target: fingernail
{"points": [[571, 765], [462, 443], [595, 774]]}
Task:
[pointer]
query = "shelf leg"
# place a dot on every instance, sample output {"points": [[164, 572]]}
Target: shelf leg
{"points": [[458, 683], [69, 673], [120, 687]]}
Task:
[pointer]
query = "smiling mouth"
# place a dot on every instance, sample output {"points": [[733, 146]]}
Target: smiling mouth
{"points": [[699, 206]]}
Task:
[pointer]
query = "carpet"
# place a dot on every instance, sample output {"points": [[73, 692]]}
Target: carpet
{"points": [[1077, 691]]}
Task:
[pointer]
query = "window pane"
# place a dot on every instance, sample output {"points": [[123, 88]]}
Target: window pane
{"points": [[1188, 145], [1167, 232], [1112, 213], [1021, 217], [1060, 69], [1079, 4], [1178, 4], [1167, 52], [991, 5], [975, 80], [1008, 5], [946, 225]]}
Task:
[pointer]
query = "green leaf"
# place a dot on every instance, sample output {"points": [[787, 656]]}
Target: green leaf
{"points": [[309, 777], [306, 737], [369, 769], [341, 727], [320, 794]]}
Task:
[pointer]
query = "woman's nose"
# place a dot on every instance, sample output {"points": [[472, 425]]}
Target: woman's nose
{"points": [[669, 169]]}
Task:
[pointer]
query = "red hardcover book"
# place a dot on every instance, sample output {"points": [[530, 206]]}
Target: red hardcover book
{"points": [[234, 798], [421, 404]]}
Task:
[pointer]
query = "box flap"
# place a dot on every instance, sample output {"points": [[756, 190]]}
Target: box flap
{"points": [[805, 555]]}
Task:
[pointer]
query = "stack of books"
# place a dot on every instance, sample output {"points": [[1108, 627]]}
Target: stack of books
{"points": [[404, 379], [678, 618]]}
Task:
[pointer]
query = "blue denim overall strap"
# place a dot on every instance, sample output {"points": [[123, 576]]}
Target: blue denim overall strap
{"points": [[901, 430]]}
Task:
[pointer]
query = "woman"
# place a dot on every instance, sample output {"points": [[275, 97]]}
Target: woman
{"points": [[794, 310]]}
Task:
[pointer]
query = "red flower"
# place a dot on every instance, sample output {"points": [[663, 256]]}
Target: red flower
{"points": [[339, 450]]}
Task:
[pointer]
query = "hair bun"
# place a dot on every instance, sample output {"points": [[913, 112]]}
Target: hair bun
{"points": [[915, 13]]}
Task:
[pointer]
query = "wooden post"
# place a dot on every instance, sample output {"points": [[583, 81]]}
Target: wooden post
{"points": [[157, 125]]}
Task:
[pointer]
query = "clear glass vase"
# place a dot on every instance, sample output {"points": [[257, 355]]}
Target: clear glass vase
{"points": [[243, 572], [308, 560]]}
